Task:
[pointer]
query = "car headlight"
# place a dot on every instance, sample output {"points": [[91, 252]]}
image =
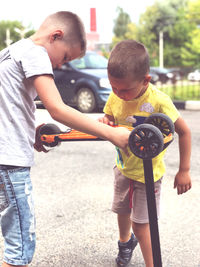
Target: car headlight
{"points": [[104, 82], [170, 75]]}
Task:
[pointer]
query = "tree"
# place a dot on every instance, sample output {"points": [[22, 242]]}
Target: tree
{"points": [[194, 12], [190, 53], [121, 22], [132, 31], [122, 26], [178, 36], [147, 33], [14, 35], [179, 20], [169, 17]]}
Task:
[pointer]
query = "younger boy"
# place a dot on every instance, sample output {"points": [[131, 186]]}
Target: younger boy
{"points": [[26, 69], [132, 100]]}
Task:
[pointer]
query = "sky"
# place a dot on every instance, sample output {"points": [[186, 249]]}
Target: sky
{"points": [[32, 13]]}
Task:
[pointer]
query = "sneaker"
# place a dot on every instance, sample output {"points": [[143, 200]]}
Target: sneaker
{"points": [[125, 251]]}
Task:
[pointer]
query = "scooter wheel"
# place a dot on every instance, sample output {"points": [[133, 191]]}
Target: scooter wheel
{"points": [[146, 141], [162, 122], [49, 129]]}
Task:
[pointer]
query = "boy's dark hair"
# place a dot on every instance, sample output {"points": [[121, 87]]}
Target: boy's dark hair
{"points": [[74, 31], [129, 58]]}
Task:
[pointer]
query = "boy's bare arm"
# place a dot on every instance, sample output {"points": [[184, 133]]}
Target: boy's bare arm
{"points": [[52, 100], [182, 179]]}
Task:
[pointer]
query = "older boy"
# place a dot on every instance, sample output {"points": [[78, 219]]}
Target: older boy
{"points": [[26, 69], [132, 100]]}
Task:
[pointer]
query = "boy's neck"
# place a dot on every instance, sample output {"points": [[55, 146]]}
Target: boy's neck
{"points": [[38, 39], [143, 91]]}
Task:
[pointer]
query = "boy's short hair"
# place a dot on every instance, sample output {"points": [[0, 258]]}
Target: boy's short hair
{"points": [[129, 58], [71, 25]]}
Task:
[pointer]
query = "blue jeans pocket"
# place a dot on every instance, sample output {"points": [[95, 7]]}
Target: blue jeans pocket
{"points": [[4, 201]]}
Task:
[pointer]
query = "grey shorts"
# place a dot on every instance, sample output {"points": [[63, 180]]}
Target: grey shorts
{"points": [[133, 201]]}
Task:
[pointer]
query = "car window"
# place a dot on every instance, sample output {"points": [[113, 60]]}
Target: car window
{"points": [[90, 61], [79, 63], [159, 70]]}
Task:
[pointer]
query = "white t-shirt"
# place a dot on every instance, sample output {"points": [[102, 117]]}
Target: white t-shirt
{"points": [[19, 62]]}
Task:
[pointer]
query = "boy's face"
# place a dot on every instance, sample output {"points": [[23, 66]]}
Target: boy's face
{"points": [[60, 53], [127, 88]]}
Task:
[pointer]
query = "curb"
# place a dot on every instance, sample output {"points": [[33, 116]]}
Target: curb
{"points": [[187, 105]]}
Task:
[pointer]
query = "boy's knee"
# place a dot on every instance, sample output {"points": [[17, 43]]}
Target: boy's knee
{"points": [[140, 229]]}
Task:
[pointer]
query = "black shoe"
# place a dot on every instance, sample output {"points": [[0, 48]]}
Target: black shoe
{"points": [[126, 251]]}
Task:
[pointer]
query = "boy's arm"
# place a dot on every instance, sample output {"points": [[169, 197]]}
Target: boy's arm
{"points": [[182, 179], [52, 101]]}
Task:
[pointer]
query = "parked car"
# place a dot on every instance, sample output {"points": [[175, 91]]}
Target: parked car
{"points": [[83, 83], [178, 72], [154, 77], [164, 74], [194, 76]]}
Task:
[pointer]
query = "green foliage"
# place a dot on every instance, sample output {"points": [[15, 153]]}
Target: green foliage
{"points": [[177, 19], [176, 38], [182, 92], [147, 35], [191, 52], [13, 27], [194, 11], [131, 31], [168, 17], [104, 52], [121, 23], [123, 28], [29, 33]]}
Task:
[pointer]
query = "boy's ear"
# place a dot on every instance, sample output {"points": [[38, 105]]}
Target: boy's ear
{"points": [[56, 35], [147, 79]]}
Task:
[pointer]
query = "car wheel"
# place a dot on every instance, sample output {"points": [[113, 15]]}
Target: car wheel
{"points": [[86, 101]]}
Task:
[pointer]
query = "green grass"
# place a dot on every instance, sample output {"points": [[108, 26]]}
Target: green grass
{"points": [[182, 91]]}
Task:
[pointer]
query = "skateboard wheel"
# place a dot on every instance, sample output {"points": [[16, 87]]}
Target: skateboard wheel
{"points": [[49, 129], [146, 141], [162, 122]]}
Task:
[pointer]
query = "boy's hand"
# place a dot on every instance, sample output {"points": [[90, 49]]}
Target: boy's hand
{"points": [[122, 133], [182, 182], [121, 138], [106, 120], [38, 142]]}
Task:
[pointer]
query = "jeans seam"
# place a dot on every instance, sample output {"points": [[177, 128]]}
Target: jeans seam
{"points": [[17, 207], [5, 190]]}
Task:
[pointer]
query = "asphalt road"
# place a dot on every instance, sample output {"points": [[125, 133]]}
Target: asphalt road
{"points": [[73, 188]]}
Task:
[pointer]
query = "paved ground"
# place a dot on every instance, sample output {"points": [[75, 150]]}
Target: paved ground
{"points": [[73, 187]]}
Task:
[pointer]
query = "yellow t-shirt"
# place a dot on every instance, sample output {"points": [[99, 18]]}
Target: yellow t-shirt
{"points": [[133, 113]]}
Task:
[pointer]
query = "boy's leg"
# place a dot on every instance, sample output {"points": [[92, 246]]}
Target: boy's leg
{"points": [[17, 220], [8, 265], [124, 225], [127, 241], [142, 233], [140, 218]]}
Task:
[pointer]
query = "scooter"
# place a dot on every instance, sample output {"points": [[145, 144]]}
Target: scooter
{"points": [[146, 141]]}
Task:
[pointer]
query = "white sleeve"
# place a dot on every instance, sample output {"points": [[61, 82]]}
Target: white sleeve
{"points": [[36, 62]]}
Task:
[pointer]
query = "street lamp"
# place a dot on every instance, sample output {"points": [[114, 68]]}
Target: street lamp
{"points": [[8, 41], [161, 56], [21, 32]]}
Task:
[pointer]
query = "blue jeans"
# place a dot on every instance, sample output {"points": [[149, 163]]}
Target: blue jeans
{"points": [[17, 214]]}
